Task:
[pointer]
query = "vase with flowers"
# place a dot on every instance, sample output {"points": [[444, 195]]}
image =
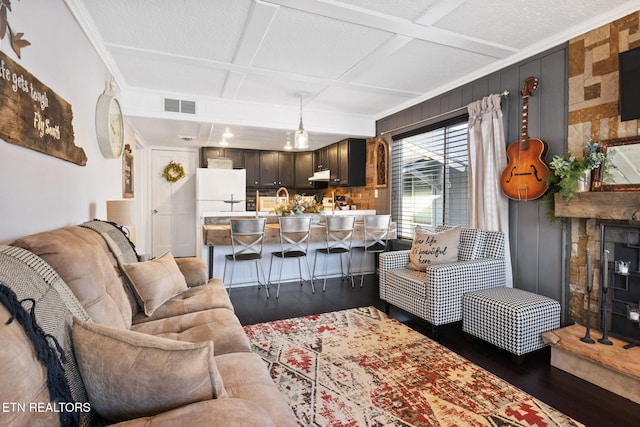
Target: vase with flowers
{"points": [[299, 205], [570, 174]]}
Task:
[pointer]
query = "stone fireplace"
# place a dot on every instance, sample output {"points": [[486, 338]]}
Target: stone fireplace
{"points": [[619, 313], [594, 114], [589, 211], [598, 217]]}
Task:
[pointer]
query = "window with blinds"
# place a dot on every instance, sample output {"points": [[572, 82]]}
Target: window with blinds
{"points": [[429, 183]]}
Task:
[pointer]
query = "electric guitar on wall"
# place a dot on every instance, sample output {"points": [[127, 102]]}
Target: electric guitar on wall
{"points": [[524, 176]]}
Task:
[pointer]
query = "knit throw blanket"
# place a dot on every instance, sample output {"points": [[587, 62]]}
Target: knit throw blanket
{"points": [[54, 305], [123, 251], [121, 247]]}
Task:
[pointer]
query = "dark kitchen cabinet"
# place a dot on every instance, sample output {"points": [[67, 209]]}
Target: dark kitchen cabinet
{"points": [[304, 169], [237, 155], [286, 169], [252, 166], [321, 159], [207, 153], [276, 169], [332, 162], [351, 163], [268, 169]]}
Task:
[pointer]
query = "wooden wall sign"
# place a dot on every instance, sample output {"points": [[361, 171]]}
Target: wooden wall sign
{"points": [[127, 172], [34, 116], [382, 160]]}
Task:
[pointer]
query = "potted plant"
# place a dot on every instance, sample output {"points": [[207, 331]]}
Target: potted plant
{"points": [[570, 174]]}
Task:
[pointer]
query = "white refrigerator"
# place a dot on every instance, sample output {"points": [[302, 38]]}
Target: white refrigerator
{"points": [[218, 190]]}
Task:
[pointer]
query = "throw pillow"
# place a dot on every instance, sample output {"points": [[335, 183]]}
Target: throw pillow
{"points": [[433, 248], [155, 281], [129, 374], [194, 271]]}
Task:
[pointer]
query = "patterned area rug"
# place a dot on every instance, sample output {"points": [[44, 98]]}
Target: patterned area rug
{"points": [[361, 368]]}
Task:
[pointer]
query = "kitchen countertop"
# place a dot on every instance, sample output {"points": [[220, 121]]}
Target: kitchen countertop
{"points": [[218, 234], [218, 214]]}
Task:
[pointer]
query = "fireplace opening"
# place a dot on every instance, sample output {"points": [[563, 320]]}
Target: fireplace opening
{"points": [[619, 306]]}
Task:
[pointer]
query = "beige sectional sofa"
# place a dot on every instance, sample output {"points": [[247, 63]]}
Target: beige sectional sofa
{"points": [[145, 343]]}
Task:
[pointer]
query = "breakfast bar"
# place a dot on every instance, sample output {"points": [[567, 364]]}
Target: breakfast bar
{"points": [[217, 242]]}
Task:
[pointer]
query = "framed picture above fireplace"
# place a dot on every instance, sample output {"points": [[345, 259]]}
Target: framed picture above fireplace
{"points": [[623, 160]]}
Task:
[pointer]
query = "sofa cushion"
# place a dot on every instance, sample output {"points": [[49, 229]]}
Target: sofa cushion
{"points": [[198, 298], [80, 257], [218, 412], [433, 248], [155, 281], [194, 271], [128, 374], [219, 325], [248, 380]]}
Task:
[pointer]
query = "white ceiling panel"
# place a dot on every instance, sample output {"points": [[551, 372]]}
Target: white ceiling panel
{"points": [[165, 75], [247, 62], [314, 45], [520, 23], [356, 100], [424, 65], [207, 29], [276, 91], [407, 9]]}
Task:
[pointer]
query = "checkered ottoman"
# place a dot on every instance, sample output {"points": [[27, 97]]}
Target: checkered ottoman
{"points": [[509, 318]]}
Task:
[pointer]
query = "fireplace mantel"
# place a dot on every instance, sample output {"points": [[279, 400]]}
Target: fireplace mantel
{"points": [[615, 205]]}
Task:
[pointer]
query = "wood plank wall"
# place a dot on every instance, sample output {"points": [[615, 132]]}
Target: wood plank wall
{"points": [[538, 247]]}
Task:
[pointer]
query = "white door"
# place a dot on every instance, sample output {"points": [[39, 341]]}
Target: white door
{"points": [[173, 204]]}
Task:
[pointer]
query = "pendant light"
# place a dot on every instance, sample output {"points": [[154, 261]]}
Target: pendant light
{"points": [[288, 145], [301, 141]]}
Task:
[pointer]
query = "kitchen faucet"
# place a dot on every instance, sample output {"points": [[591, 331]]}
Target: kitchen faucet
{"points": [[286, 195]]}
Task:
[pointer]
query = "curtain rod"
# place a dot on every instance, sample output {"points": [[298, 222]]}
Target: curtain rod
{"points": [[503, 93]]}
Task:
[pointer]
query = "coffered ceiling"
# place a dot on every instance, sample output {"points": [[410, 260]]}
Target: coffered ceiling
{"points": [[246, 64]]}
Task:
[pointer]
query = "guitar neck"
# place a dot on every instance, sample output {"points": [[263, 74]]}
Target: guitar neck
{"points": [[524, 128]]}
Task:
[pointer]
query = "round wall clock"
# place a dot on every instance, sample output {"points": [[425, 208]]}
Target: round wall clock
{"points": [[109, 125]]}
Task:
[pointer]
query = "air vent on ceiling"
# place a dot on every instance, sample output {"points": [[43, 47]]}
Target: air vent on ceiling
{"points": [[179, 106], [188, 107], [172, 105]]}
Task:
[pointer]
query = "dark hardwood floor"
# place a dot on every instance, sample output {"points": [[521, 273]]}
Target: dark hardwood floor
{"points": [[583, 401]]}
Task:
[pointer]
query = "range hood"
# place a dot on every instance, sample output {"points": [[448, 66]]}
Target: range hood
{"points": [[321, 176]]}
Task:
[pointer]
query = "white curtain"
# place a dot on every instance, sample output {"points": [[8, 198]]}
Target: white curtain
{"points": [[489, 207]]}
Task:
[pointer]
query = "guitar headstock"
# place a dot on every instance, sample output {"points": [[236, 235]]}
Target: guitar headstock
{"points": [[530, 86]]}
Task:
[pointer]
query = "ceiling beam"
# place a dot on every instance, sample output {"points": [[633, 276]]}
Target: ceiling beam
{"points": [[395, 25], [258, 23], [241, 69]]}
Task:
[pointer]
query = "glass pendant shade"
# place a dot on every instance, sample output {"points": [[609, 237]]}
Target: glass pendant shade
{"points": [[301, 141]]}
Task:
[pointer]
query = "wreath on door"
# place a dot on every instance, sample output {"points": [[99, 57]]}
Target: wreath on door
{"points": [[173, 172]]}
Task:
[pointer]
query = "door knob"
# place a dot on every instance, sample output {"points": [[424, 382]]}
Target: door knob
{"points": [[155, 211]]}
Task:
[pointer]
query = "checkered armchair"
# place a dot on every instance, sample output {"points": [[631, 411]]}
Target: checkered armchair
{"points": [[435, 295]]}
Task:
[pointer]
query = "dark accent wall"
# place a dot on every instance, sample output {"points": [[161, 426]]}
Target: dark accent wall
{"points": [[537, 246]]}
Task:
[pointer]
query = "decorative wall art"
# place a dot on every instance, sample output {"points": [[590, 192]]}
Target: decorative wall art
{"points": [[34, 116], [127, 173], [381, 162], [17, 42]]}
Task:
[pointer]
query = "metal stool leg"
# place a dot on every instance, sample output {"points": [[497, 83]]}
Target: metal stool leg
{"points": [[224, 274], [300, 271], [231, 279], [280, 277], [313, 289]]}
